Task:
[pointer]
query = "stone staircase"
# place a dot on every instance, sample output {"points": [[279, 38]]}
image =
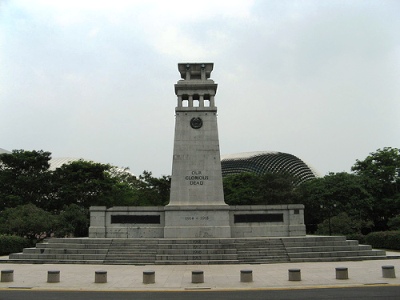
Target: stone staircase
{"points": [[196, 251]]}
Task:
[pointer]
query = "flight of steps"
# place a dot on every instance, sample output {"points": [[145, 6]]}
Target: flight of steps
{"points": [[196, 251]]}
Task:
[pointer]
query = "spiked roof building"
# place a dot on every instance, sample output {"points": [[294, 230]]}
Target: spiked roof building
{"points": [[262, 162]]}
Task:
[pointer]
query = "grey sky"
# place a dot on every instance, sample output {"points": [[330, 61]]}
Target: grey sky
{"points": [[94, 79]]}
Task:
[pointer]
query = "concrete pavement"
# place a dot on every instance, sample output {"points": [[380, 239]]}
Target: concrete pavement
{"points": [[216, 277]]}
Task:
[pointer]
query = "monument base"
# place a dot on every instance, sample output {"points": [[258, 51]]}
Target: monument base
{"points": [[203, 221], [209, 221]]}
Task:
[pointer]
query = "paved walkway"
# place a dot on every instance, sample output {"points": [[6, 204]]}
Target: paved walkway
{"points": [[216, 277]]}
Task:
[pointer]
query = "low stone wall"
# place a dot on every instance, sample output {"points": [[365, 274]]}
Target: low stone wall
{"points": [[244, 221], [267, 220], [127, 222]]}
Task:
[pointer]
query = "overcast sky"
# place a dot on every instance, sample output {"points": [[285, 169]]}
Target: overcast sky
{"points": [[95, 79]]}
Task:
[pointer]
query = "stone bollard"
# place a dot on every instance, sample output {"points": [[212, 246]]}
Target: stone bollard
{"points": [[100, 277], [342, 273], [294, 275], [53, 276], [197, 276], [7, 275], [246, 275], [149, 277], [388, 272]]}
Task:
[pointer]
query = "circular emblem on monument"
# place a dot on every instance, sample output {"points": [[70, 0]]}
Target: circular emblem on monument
{"points": [[196, 123]]}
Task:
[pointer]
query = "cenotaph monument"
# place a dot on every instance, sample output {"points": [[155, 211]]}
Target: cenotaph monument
{"points": [[196, 226], [197, 207]]}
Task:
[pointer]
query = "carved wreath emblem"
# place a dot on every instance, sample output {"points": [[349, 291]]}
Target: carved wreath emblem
{"points": [[196, 123]]}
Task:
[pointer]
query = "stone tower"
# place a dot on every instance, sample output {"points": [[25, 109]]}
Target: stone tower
{"points": [[197, 207]]}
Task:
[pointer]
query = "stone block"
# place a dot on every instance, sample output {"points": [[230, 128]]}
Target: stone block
{"points": [[342, 273], [246, 275], [7, 275], [294, 275], [149, 277], [388, 272], [100, 277], [197, 276], [53, 276]]}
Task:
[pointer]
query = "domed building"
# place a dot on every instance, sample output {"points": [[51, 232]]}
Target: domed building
{"points": [[263, 162]]}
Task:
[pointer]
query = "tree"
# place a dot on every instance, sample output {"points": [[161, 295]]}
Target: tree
{"points": [[342, 224], [326, 197], [25, 178], [241, 189], [252, 189], [83, 183], [125, 190], [27, 221], [380, 172], [73, 220], [278, 188], [153, 191]]}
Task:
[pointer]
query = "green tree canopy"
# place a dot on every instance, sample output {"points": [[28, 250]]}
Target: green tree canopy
{"points": [[24, 178], [266, 189], [73, 220], [153, 191], [380, 172], [27, 221], [336, 192]]}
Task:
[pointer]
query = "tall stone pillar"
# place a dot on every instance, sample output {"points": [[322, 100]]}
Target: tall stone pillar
{"points": [[197, 207]]}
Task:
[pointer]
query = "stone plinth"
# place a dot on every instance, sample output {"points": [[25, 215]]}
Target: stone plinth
{"points": [[246, 275], [197, 222], [197, 276], [7, 275], [53, 276], [342, 273], [388, 272], [100, 277], [294, 275], [149, 277]]}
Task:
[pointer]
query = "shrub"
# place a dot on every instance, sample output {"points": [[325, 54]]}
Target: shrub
{"points": [[73, 221], [357, 236], [394, 223], [27, 221], [384, 239], [13, 244]]}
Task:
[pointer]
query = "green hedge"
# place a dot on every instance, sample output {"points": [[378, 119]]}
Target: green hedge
{"points": [[357, 236], [13, 244], [384, 239]]}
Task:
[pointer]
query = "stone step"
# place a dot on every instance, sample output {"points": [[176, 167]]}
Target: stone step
{"points": [[255, 257], [339, 258], [77, 241], [306, 243], [131, 255], [261, 253], [194, 246], [196, 257], [328, 248], [54, 261], [130, 262], [58, 256], [265, 261], [196, 251], [127, 259], [332, 254], [63, 251], [72, 246], [197, 262]]}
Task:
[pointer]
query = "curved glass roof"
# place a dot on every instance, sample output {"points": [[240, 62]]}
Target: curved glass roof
{"points": [[262, 162]]}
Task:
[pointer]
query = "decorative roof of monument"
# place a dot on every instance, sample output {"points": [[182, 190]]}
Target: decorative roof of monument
{"points": [[262, 162]]}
